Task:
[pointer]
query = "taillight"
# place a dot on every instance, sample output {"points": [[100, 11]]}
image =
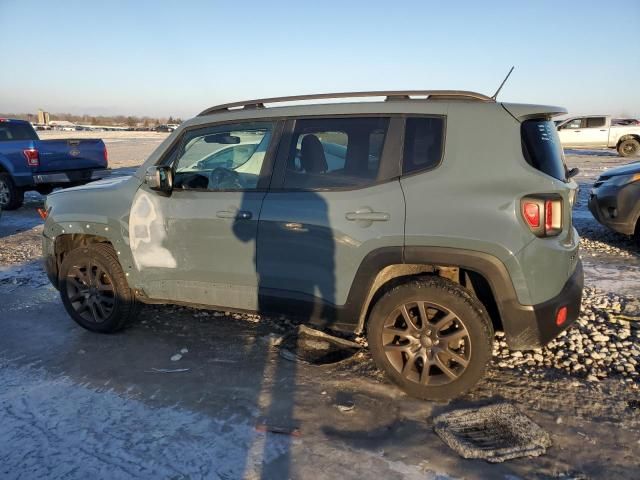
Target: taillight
{"points": [[106, 156], [543, 214], [32, 156]]}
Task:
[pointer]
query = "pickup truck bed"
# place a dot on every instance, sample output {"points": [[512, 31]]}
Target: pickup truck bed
{"points": [[28, 163]]}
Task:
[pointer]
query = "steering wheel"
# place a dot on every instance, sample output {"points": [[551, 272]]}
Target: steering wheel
{"points": [[222, 178]]}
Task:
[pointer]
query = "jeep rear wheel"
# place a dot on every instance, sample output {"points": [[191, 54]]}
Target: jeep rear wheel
{"points": [[431, 337], [11, 197], [629, 148], [94, 289]]}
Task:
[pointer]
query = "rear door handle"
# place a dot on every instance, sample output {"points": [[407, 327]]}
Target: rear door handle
{"points": [[235, 215]]}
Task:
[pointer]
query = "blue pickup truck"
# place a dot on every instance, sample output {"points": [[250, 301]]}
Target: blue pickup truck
{"points": [[28, 163]]}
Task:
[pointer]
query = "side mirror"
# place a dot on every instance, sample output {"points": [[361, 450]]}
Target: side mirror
{"points": [[159, 178], [573, 172]]}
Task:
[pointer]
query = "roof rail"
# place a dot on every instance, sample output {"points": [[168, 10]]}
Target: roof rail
{"points": [[390, 95]]}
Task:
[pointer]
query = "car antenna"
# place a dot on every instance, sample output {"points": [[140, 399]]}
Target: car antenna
{"points": [[495, 95]]}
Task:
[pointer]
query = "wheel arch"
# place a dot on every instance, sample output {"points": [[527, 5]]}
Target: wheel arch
{"points": [[628, 136], [65, 243], [483, 274]]}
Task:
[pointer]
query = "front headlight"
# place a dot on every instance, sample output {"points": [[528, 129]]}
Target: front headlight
{"points": [[620, 180]]}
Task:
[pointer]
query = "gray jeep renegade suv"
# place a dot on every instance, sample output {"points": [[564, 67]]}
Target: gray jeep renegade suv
{"points": [[428, 220]]}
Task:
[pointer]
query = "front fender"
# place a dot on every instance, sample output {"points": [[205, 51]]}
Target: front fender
{"points": [[97, 212]]}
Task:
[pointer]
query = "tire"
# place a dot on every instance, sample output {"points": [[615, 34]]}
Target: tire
{"points": [[11, 197], [102, 300], [451, 311], [629, 148], [46, 190]]}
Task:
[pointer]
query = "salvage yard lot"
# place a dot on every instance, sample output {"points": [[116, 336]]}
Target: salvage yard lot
{"points": [[80, 404]]}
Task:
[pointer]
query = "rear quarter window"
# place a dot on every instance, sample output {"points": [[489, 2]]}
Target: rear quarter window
{"points": [[423, 141], [542, 149]]}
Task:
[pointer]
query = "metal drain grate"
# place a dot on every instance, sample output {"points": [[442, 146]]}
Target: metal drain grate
{"points": [[494, 433]]}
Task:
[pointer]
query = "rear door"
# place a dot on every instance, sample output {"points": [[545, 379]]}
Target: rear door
{"points": [[335, 197], [595, 132]]}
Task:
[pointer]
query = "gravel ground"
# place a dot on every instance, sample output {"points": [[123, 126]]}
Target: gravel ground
{"points": [[582, 387]]}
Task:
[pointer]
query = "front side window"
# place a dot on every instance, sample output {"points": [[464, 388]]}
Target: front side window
{"points": [[422, 144], [335, 153], [223, 157], [575, 123]]}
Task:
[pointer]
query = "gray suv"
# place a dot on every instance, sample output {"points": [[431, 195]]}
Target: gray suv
{"points": [[427, 221]]}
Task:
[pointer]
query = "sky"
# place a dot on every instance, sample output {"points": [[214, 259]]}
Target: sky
{"points": [[178, 57]]}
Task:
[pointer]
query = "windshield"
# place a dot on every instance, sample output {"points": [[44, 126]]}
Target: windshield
{"points": [[542, 149]]}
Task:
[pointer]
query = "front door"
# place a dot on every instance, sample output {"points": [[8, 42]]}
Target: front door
{"points": [[572, 134], [198, 244]]}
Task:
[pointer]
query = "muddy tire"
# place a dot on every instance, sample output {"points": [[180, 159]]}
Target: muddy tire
{"points": [[629, 148], [431, 337], [11, 197], [94, 289]]}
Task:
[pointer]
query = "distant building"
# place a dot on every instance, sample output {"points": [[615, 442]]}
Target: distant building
{"points": [[43, 117]]}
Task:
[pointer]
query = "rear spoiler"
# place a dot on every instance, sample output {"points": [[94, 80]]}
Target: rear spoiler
{"points": [[522, 111]]}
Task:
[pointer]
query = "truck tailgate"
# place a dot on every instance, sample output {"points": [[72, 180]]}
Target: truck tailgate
{"points": [[71, 154]]}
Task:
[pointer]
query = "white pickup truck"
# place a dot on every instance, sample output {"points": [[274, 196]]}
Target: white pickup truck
{"points": [[598, 132]]}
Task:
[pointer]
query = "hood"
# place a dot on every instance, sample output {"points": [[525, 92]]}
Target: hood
{"points": [[104, 184], [628, 169]]}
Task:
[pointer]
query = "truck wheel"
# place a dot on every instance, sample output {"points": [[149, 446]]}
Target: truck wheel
{"points": [[44, 190], [94, 289], [11, 197], [431, 337], [629, 148]]}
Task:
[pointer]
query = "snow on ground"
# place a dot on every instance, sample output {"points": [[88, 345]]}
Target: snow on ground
{"points": [[54, 428], [75, 404]]}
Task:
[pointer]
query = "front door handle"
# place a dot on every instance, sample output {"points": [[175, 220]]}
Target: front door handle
{"points": [[367, 216], [235, 215]]}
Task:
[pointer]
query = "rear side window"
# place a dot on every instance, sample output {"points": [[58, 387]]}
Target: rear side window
{"points": [[541, 147], [422, 144], [335, 153], [16, 131], [595, 122]]}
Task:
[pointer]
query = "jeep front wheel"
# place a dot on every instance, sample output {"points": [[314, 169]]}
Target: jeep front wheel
{"points": [[431, 337], [94, 289]]}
